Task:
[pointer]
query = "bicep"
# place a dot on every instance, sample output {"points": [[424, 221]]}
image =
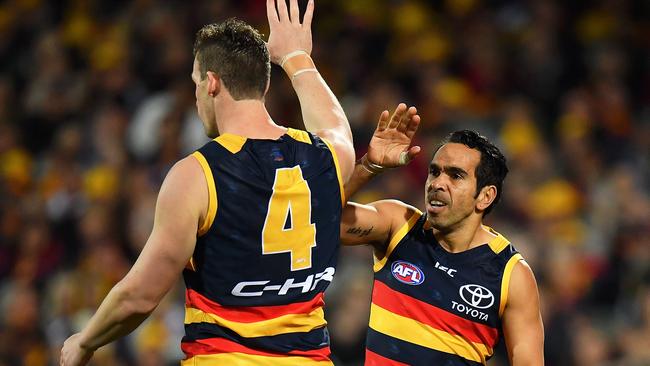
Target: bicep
{"points": [[522, 321], [363, 224], [374, 223], [181, 202]]}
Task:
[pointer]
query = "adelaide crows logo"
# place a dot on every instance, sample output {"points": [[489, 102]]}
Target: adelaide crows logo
{"points": [[276, 154]]}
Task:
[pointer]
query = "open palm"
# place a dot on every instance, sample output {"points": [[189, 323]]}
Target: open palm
{"points": [[287, 34], [390, 145]]}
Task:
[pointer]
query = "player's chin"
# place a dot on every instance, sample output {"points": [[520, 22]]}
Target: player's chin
{"points": [[437, 221]]}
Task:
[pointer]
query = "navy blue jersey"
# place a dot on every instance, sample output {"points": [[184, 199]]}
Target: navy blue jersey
{"points": [[433, 307], [266, 252]]}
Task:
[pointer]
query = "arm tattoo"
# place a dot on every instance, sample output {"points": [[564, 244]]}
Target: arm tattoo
{"points": [[360, 232]]}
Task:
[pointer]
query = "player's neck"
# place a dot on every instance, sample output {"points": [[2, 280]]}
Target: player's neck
{"points": [[466, 237], [248, 118]]}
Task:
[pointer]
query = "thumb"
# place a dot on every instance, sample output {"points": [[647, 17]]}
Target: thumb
{"points": [[407, 156], [414, 151]]}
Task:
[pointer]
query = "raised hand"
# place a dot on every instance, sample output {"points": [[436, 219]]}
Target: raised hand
{"points": [[390, 145], [287, 34]]}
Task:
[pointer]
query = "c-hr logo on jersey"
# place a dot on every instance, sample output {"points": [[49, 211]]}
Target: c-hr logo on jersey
{"points": [[477, 296], [259, 288], [407, 273]]}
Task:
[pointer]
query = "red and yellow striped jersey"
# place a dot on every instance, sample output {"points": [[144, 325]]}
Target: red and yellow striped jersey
{"points": [[432, 307], [265, 254]]}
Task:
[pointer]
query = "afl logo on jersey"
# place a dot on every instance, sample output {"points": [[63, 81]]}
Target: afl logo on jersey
{"points": [[407, 273]]}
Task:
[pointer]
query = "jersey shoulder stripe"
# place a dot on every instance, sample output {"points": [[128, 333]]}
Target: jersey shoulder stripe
{"points": [[505, 281], [299, 135], [232, 143], [395, 239], [212, 193], [337, 165]]}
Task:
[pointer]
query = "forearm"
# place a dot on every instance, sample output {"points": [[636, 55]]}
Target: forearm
{"points": [[119, 314], [320, 108]]}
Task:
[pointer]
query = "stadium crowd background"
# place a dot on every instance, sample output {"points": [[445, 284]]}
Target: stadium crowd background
{"points": [[96, 104]]}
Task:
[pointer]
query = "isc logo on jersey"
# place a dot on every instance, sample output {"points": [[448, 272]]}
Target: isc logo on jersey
{"points": [[407, 273]]}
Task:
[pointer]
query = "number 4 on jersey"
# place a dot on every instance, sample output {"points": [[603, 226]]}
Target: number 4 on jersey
{"points": [[290, 203]]}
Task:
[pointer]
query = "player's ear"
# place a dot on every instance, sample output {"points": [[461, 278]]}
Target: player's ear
{"points": [[214, 83], [486, 196]]}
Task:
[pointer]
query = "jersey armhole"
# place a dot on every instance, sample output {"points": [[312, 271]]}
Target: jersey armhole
{"points": [[338, 170], [395, 239], [505, 281], [212, 194]]}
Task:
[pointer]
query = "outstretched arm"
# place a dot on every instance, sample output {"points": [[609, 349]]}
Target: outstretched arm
{"points": [[182, 202], [522, 321], [390, 147], [290, 46]]}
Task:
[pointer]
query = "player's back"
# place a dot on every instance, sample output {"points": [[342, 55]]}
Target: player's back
{"points": [[266, 252]]}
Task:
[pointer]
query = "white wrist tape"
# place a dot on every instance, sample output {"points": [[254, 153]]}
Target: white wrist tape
{"points": [[290, 55]]}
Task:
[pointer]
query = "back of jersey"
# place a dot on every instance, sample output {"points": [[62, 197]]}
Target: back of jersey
{"points": [[265, 253]]}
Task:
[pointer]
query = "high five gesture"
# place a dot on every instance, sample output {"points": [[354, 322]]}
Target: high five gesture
{"points": [[287, 33], [290, 45]]}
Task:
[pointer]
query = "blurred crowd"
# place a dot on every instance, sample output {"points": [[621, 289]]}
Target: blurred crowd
{"points": [[96, 104]]}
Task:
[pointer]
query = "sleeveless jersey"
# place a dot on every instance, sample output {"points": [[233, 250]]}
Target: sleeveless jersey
{"points": [[265, 254], [432, 307]]}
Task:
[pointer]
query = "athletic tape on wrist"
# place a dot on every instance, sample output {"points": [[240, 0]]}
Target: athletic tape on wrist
{"points": [[290, 55], [368, 170], [371, 167], [296, 63], [302, 72]]}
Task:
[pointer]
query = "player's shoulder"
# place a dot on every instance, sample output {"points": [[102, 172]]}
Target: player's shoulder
{"points": [[522, 279], [398, 211], [186, 171], [341, 147], [303, 136], [184, 186], [523, 271], [396, 206]]}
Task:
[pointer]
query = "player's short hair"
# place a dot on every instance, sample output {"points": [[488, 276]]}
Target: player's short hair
{"points": [[491, 170], [236, 52]]}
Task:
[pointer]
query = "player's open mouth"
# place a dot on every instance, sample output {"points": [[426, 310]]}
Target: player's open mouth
{"points": [[436, 203]]}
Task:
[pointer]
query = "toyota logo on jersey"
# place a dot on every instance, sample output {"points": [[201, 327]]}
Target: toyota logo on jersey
{"points": [[407, 273], [477, 296]]}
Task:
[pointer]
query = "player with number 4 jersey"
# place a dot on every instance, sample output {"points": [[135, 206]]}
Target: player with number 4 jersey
{"points": [[252, 218], [266, 251]]}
